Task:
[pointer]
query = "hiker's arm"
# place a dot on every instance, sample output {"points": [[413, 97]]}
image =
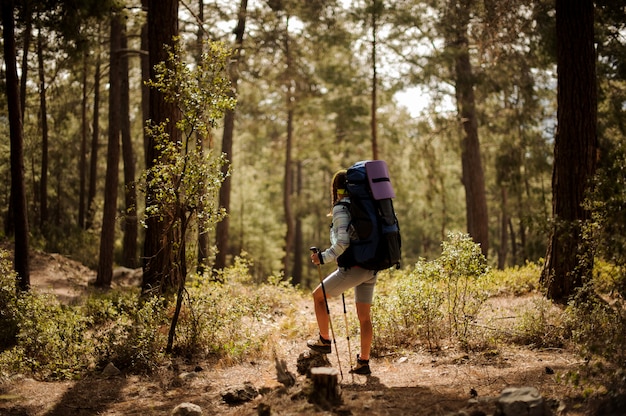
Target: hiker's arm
{"points": [[341, 238]]}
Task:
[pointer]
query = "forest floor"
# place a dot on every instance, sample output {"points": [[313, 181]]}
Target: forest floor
{"points": [[414, 383]]}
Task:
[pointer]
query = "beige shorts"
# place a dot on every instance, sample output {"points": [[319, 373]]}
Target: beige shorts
{"points": [[342, 279]]}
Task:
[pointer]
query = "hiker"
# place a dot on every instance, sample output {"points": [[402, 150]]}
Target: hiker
{"points": [[346, 276]]}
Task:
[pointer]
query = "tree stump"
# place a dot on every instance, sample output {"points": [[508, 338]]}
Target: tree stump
{"points": [[325, 386]]}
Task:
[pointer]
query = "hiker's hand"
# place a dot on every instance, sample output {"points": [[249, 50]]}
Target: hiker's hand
{"points": [[315, 258]]}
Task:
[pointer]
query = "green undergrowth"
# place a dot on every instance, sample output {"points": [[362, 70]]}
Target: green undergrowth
{"points": [[230, 321], [453, 301], [457, 300]]}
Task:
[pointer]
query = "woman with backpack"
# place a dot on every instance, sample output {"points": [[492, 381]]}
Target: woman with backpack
{"points": [[346, 276]]}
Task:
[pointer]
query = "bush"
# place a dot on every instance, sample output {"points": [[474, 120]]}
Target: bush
{"points": [[411, 308], [597, 327], [436, 299], [133, 337], [463, 267], [8, 302], [232, 318], [540, 325], [515, 281], [50, 339], [37, 333]]}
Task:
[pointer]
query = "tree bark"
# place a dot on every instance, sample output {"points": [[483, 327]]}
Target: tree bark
{"points": [[472, 170], [326, 390], [376, 4], [569, 258], [95, 136], [145, 76], [43, 111], [18, 193], [159, 238], [203, 235], [107, 235], [129, 247], [288, 175], [504, 229], [26, 35], [298, 264], [222, 228], [82, 163]]}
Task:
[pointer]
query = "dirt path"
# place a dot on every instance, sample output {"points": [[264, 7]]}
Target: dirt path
{"points": [[417, 383]]}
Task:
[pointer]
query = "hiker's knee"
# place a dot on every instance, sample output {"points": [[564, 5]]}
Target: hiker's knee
{"points": [[318, 295], [363, 312]]}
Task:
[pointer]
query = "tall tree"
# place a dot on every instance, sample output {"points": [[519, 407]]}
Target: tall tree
{"points": [[107, 234], [290, 236], [569, 259], [223, 227], [95, 137], [18, 193], [129, 245], [43, 115], [159, 238], [457, 17], [376, 10], [203, 236], [82, 162]]}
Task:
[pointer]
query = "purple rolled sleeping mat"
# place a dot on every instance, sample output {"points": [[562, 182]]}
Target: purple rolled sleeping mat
{"points": [[378, 177]]}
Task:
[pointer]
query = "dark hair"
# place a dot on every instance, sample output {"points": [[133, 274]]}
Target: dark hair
{"points": [[339, 182]]}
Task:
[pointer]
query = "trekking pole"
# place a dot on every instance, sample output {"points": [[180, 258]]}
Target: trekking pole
{"points": [[330, 322], [345, 318]]}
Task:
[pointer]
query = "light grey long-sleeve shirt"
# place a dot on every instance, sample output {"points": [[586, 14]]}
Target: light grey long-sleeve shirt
{"points": [[339, 232]]}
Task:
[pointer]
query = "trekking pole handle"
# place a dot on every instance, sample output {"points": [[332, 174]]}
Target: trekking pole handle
{"points": [[316, 250]]}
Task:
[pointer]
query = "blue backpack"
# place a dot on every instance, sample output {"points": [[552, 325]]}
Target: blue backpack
{"points": [[378, 245]]}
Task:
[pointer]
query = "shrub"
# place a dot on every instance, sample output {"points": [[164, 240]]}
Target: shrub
{"points": [[609, 278], [514, 281], [8, 302], [540, 325], [437, 298], [50, 339], [411, 310], [597, 327], [463, 266], [134, 336], [232, 318], [110, 306]]}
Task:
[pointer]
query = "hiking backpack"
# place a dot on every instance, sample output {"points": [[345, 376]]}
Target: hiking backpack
{"points": [[378, 245]]}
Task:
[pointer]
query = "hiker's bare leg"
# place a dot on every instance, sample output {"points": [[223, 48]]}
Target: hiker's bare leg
{"points": [[320, 312], [365, 322]]}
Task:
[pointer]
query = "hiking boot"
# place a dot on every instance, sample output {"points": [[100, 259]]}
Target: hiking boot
{"points": [[321, 345], [362, 367]]}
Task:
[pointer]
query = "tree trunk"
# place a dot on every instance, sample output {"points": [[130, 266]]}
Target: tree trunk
{"points": [[288, 175], [287, 189], [43, 111], [107, 235], [374, 104], [18, 193], [326, 390], [145, 76], [129, 248], [504, 229], [93, 160], [569, 258], [159, 238], [222, 228], [26, 35], [472, 176], [299, 250], [82, 163]]}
